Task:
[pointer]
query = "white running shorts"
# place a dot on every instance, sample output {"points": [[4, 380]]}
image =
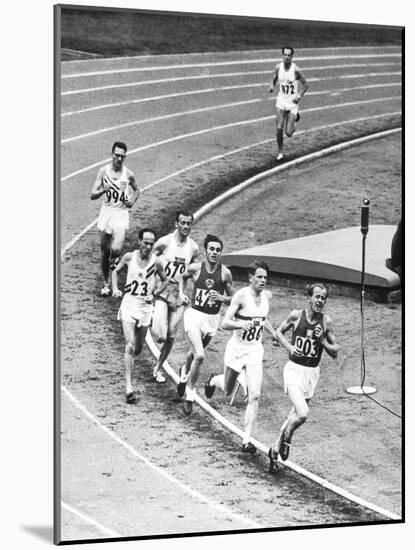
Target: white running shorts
{"points": [[207, 324], [305, 377], [113, 219]]}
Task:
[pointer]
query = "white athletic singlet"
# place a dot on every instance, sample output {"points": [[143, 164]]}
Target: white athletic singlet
{"points": [[140, 281], [257, 314], [177, 257], [287, 82], [118, 192]]}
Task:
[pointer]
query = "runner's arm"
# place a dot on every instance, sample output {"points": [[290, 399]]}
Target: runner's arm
{"points": [[329, 342], [190, 273], [98, 188], [229, 323], [160, 246], [284, 327], [304, 85], [163, 277], [274, 80], [125, 260], [227, 283], [129, 203]]}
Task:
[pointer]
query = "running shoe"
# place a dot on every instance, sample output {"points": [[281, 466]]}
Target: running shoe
{"points": [[181, 386], [280, 156], [248, 448], [105, 291], [159, 376], [209, 390], [284, 449], [130, 398], [187, 406], [273, 461]]}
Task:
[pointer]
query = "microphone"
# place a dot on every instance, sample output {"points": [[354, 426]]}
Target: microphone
{"points": [[364, 224]]}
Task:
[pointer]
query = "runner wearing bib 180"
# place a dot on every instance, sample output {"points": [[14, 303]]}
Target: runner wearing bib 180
{"points": [[287, 77], [312, 332], [247, 318]]}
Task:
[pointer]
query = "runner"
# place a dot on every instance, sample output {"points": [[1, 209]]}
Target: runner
{"points": [[178, 251], [312, 332], [113, 181], [212, 288], [137, 304], [287, 75], [246, 317]]}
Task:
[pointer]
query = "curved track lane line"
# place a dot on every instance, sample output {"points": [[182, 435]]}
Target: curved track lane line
{"points": [[217, 157], [91, 521], [222, 127], [160, 471], [226, 423], [172, 374]]}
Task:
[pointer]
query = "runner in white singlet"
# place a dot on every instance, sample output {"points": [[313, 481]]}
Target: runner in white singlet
{"points": [[247, 318], [137, 304], [113, 182], [288, 76], [177, 251]]}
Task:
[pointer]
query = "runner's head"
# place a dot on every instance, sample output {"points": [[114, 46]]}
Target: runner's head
{"points": [[184, 222], [258, 275], [213, 246], [119, 152], [317, 294], [287, 55], [146, 240]]}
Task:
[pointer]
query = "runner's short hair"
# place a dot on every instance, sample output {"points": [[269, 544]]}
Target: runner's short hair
{"points": [[256, 265], [120, 145], [212, 239], [145, 230], [186, 213], [288, 48], [312, 286]]}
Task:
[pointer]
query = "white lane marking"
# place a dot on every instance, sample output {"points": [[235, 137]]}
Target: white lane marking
{"points": [[232, 52], [90, 520], [213, 90], [223, 64], [211, 76], [215, 414], [218, 128], [153, 348], [195, 111], [229, 153], [185, 488]]}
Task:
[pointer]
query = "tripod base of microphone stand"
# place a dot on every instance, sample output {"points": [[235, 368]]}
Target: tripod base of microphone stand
{"points": [[361, 390]]}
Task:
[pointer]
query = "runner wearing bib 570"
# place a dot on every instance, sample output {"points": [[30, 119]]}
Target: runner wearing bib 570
{"points": [[177, 251]]}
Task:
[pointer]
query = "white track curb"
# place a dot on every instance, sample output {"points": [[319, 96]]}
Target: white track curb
{"points": [[217, 416]]}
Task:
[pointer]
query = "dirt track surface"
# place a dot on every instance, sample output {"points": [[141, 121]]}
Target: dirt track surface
{"points": [[112, 485]]}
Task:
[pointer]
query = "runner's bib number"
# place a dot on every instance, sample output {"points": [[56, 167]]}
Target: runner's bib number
{"points": [[307, 346], [175, 268], [288, 89], [254, 334], [139, 289], [202, 297]]}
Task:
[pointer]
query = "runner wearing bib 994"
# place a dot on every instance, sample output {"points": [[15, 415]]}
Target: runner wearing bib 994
{"points": [[177, 251], [137, 304], [312, 332], [113, 183], [247, 318], [287, 76], [212, 287]]}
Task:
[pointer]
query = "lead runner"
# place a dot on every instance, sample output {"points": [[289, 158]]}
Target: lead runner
{"points": [[312, 332]]}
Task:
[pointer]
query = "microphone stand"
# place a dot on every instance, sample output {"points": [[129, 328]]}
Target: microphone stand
{"points": [[363, 390]]}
